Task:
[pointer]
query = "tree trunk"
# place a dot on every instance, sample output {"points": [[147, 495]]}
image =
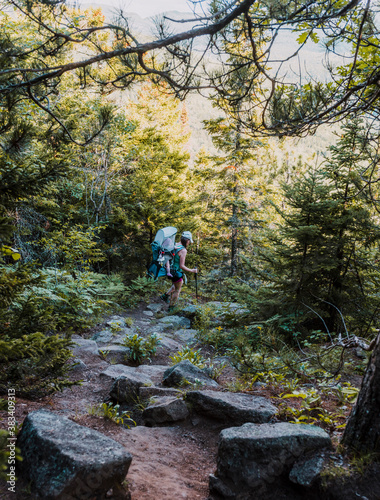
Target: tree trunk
{"points": [[362, 432], [234, 247]]}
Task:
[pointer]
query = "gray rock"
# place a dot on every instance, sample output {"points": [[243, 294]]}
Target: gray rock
{"points": [[168, 343], [187, 336], [154, 372], [175, 322], [118, 339], [152, 391], [114, 353], [116, 322], [166, 409], [78, 365], [255, 457], [85, 348], [155, 308], [115, 371], [62, 460], [306, 470], [141, 324], [110, 337], [102, 337], [189, 311], [231, 407], [148, 313], [185, 372], [125, 389]]}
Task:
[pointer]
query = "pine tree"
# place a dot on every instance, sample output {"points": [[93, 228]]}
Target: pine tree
{"points": [[320, 259]]}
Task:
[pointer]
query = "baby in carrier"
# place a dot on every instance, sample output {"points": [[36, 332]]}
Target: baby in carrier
{"points": [[168, 244]]}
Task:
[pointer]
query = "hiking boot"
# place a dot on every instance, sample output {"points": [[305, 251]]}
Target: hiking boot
{"points": [[165, 297]]}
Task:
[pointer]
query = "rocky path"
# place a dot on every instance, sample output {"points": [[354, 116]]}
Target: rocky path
{"points": [[193, 439], [169, 462]]}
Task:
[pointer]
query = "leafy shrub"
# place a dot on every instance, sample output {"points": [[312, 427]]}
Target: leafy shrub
{"points": [[141, 348], [141, 288], [194, 356], [33, 305], [35, 365]]}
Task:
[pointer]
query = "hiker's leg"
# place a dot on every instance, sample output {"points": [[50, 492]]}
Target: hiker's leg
{"points": [[171, 290], [175, 294]]}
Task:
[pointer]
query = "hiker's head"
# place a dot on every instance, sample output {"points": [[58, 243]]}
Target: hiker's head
{"points": [[186, 238]]}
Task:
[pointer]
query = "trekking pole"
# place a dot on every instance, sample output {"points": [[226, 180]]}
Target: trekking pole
{"points": [[196, 284]]}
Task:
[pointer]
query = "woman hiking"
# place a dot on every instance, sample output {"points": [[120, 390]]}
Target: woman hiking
{"points": [[177, 267]]}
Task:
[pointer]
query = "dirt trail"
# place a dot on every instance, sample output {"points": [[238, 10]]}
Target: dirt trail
{"points": [[169, 463]]}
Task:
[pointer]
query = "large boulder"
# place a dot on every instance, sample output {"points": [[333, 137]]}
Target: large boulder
{"points": [[184, 373], [254, 460], [231, 407], [165, 410], [65, 461]]}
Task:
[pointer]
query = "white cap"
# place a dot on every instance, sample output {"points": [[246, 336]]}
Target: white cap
{"points": [[187, 234]]}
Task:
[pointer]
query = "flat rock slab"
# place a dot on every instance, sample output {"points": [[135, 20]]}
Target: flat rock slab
{"points": [[255, 457], [154, 372], [115, 353], [231, 407], [165, 410], [65, 461], [148, 313], [175, 322], [184, 373], [168, 343]]}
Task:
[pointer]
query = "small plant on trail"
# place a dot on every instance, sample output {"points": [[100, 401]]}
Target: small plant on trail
{"points": [[128, 322], [111, 412], [194, 356], [141, 348]]}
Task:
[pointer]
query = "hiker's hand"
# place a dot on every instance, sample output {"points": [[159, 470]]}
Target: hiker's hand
{"points": [[195, 270]]}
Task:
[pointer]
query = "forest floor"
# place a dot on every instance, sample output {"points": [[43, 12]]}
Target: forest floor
{"points": [[169, 462]]}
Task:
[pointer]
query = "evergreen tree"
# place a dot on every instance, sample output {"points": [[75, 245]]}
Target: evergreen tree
{"points": [[320, 261]]}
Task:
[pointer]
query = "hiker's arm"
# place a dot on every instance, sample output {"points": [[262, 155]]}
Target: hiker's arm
{"points": [[182, 258]]}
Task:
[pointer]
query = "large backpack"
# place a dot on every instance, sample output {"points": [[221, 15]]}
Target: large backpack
{"points": [[163, 249]]}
